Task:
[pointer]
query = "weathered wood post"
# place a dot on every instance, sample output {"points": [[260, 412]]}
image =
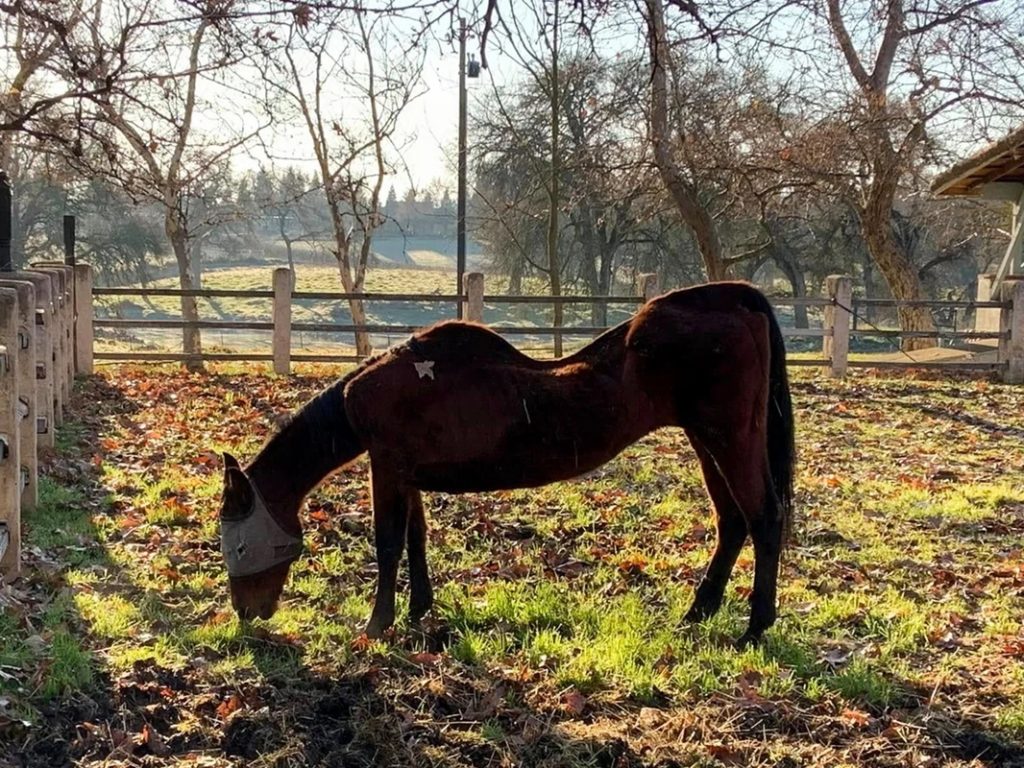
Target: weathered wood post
{"points": [[282, 339], [68, 346], [10, 455], [83, 319], [64, 363], [835, 346], [26, 389], [44, 359], [54, 371], [1011, 325], [474, 289], [37, 396], [647, 285]]}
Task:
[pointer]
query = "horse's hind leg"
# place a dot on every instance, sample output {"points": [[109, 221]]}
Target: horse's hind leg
{"points": [[737, 478], [421, 595], [732, 533], [766, 532], [390, 516]]}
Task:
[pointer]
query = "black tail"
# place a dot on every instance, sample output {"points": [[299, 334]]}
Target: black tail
{"points": [[781, 438]]}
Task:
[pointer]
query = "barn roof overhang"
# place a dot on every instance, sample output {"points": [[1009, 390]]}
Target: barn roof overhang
{"points": [[996, 172]]}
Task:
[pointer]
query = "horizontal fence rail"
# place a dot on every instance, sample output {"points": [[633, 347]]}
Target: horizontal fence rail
{"points": [[841, 314]]}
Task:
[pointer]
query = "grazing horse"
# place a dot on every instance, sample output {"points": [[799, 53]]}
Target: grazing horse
{"points": [[456, 408]]}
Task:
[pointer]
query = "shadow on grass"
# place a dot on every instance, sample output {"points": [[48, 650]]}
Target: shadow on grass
{"points": [[382, 709]]}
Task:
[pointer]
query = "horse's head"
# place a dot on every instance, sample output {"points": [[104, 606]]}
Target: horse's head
{"points": [[257, 548]]}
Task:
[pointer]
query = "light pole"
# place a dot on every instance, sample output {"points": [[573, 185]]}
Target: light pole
{"points": [[472, 69]]}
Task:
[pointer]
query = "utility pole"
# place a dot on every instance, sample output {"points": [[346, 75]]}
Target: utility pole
{"points": [[460, 257]]}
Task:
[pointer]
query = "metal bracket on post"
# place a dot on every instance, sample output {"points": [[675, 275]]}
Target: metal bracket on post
{"points": [[5, 448], [42, 425], [25, 478], [23, 409], [4, 364], [24, 339]]}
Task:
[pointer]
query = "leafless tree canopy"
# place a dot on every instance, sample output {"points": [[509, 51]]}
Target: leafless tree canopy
{"points": [[780, 138]]}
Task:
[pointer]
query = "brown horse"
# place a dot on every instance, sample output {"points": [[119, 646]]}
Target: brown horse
{"points": [[456, 408]]}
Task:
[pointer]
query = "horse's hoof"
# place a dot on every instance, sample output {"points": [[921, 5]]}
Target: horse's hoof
{"points": [[375, 629], [418, 610], [698, 613], [748, 640]]}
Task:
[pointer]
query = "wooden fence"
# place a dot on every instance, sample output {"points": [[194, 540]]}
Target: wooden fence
{"points": [[47, 336], [843, 319], [42, 347]]}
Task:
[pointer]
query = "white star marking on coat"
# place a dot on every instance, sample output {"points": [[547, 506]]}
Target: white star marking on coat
{"points": [[425, 369]]}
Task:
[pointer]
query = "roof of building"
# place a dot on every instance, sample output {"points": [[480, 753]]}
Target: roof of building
{"points": [[1000, 161]]}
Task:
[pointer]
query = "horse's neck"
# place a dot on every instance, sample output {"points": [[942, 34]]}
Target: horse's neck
{"points": [[317, 441]]}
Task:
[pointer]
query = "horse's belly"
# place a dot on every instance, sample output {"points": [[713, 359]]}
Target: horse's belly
{"points": [[529, 467]]}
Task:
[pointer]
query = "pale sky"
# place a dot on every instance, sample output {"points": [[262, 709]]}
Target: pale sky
{"points": [[428, 129]]}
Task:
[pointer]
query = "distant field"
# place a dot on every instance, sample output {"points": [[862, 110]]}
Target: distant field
{"points": [[324, 278]]}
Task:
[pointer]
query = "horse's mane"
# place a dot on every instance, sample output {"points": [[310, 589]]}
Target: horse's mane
{"points": [[319, 430]]}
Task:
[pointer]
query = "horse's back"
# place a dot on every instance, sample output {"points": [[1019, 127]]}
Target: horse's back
{"points": [[444, 376], [466, 342], [700, 320]]}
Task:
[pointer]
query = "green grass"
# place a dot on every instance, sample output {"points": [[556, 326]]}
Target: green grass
{"points": [[902, 593]]}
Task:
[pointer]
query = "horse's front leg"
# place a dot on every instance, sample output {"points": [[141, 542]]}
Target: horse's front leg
{"points": [[421, 595], [390, 519]]}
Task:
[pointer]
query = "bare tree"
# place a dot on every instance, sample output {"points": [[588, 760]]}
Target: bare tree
{"points": [[883, 82], [350, 95], [146, 131], [683, 191]]}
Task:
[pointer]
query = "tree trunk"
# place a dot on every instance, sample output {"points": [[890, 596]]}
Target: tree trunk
{"points": [[191, 343], [901, 277], [554, 268], [287, 245], [515, 278], [587, 237], [343, 245], [870, 289], [196, 257], [683, 193], [796, 279]]}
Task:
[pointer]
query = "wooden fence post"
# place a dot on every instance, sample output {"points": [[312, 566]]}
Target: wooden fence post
{"points": [[836, 346], [54, 371], [68, 299], [44, 361], [83, 319], [474, 289], [647, 285], [26, 390], [1011, 324], [38, 395], [10, 456], [282, 339], [63, 332]]}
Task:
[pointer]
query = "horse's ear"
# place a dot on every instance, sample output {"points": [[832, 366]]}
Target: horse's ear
{"points": [[238, 494], [230, 462]]}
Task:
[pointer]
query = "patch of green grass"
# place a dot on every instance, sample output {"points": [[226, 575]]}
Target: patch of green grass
{"points": [[68, 666], [110, 617], [861, 682], [58, 522]]}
